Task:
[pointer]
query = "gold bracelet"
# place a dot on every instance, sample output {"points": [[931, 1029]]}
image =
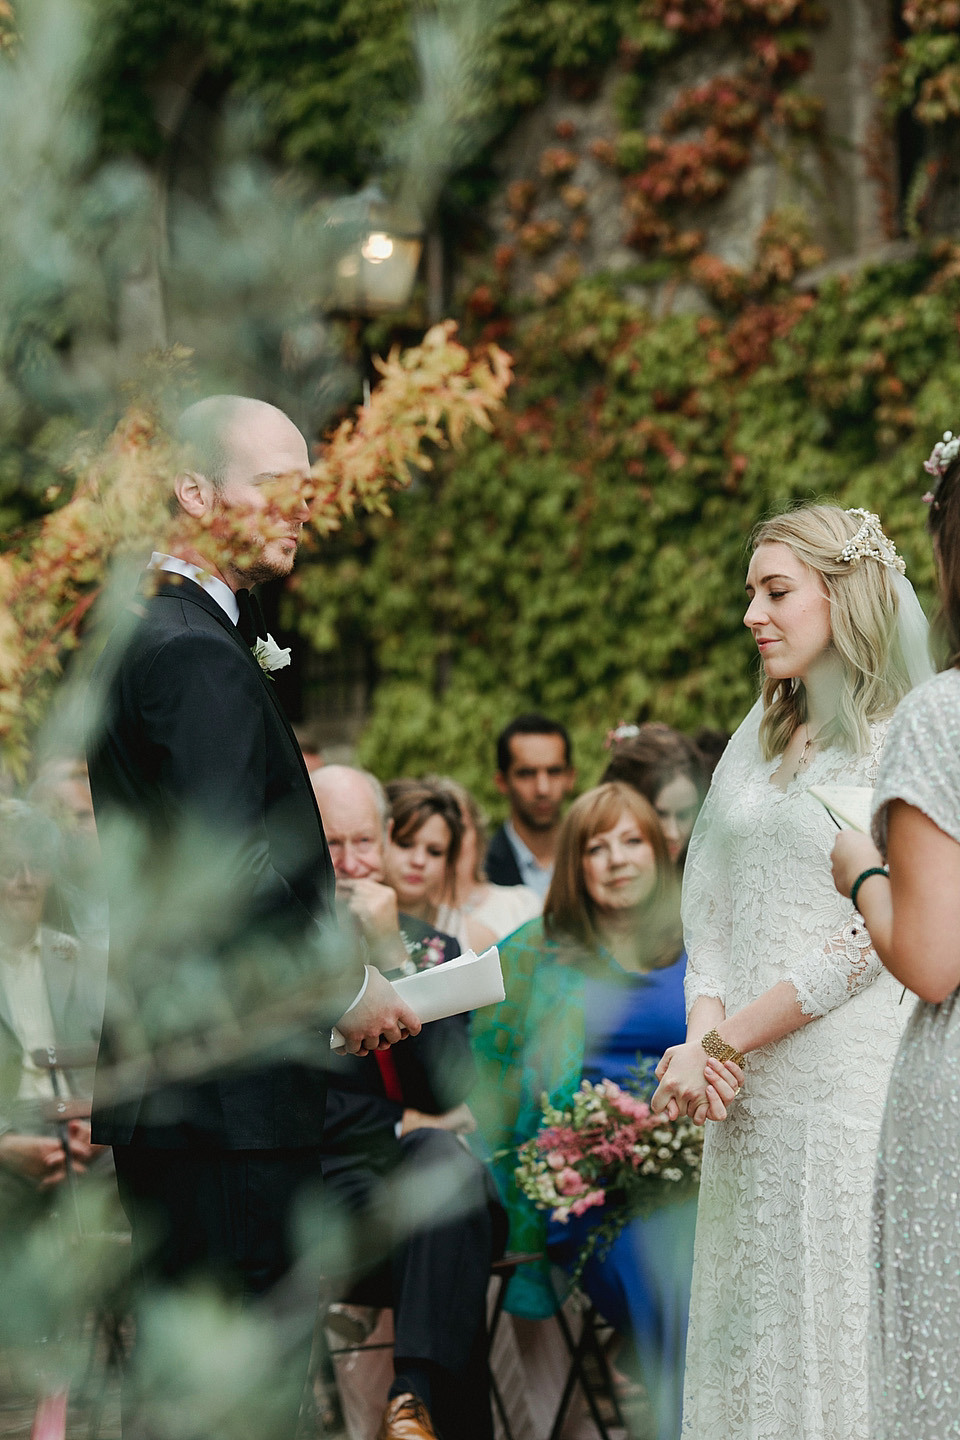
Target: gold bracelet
{"points": [[718, 1049]]}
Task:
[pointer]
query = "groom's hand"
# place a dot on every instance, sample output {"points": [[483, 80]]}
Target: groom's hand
{"points": [[377, 1021]]}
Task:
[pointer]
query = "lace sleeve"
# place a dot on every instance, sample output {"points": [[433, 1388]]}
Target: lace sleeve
{"points": [[829, 976], [707, 912]]}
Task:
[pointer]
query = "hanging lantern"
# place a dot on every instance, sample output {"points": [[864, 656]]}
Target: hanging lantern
{"points": [[375, 253]]}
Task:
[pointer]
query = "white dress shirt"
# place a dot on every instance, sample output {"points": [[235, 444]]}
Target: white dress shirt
{"points": [[218, 590]]}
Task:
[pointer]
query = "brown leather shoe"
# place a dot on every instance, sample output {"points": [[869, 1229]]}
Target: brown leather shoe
{"points": [[406, 1418]]}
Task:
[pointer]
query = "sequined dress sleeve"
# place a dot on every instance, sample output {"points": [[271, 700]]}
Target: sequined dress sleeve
{"points": [[915, 1329], [921, 762]]}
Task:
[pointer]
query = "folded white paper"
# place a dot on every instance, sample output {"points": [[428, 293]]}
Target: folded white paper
{"points": [[466, 983], [850, 803]]}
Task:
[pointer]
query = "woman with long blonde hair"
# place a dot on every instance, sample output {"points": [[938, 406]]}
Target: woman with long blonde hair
{"points": [[782, 980]]}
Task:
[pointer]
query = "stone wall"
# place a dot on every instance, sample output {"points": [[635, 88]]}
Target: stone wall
{"points": [[560, 206]]}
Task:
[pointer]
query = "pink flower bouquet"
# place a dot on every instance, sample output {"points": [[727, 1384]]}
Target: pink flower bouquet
{"points": [[608, 1149]]}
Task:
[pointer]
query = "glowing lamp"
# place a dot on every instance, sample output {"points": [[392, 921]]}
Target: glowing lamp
{"points": [[376, 252]]}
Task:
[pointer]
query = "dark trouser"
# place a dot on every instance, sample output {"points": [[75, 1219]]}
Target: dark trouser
{"points": [[436, 1276], [217, 1222]]}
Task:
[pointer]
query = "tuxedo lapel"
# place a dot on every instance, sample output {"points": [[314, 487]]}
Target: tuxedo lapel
{"points": [[180, 588], [177, 587], [282, 714]]}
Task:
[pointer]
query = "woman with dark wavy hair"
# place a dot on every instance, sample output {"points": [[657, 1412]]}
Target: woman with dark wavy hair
{"points": [[424, 835], [665, 766]]}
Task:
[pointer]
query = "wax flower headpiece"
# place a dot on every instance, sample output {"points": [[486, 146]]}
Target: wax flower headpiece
{"points": [[941, 458], [621, 732], [871, 541]]}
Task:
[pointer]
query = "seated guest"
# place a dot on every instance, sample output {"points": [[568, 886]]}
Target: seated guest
{"points": [[593, 988], [666, 767], [62, 792], [391, 1130], [400, 940], [710, 745], [476, 911], [48, 999], [424, 836], [535, 772]]}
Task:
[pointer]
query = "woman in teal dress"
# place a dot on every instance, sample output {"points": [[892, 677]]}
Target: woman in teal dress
{"points": [[593, 989]]}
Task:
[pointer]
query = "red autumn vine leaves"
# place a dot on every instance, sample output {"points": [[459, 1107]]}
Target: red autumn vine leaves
{"points": [[428, 396]]}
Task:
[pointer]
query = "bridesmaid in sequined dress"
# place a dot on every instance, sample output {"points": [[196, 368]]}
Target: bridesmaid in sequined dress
{"points": [[913, 915]]}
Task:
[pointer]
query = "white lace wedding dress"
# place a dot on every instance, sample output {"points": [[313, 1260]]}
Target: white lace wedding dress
{"points": [[779, 1312]]}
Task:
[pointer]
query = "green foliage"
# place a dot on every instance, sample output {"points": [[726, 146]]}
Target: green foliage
{"points": [[922, 79], [588, 557], [925, 76], [333, 77], [59, 233]]}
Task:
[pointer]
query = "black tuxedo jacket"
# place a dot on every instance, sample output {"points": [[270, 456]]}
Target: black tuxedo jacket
{"points": [[219, 880], [500, 865]]}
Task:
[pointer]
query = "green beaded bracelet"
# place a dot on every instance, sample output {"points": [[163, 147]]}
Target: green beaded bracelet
{"points": [[874, 870]]}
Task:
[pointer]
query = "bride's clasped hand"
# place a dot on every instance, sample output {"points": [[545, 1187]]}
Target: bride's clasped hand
{"points": [[694, 1083]]}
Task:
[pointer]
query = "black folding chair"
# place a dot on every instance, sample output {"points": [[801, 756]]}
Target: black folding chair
{"points": [[586, 1349]]}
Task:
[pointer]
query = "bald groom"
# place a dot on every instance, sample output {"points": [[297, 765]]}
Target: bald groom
{"points": [[195, 770]]}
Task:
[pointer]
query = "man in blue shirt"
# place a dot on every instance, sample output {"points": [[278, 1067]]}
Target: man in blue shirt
{"points": [[535, 772]]}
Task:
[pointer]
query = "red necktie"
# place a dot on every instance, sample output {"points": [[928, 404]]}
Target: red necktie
{"points": [[389, 1075]]}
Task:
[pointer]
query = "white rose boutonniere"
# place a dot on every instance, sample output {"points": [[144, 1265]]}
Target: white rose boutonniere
{"points": [[269, 656]]}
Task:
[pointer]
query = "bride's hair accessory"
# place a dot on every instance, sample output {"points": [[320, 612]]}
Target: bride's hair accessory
{"points": [[871, 541], [941, 458]]}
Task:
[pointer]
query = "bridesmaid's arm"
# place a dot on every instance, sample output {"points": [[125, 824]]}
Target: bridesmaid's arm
{"points": [[914, 918], [853, 853]]}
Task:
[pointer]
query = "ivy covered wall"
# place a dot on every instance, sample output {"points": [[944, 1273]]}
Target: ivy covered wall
{"points": [[644, 227], [588, 557]]}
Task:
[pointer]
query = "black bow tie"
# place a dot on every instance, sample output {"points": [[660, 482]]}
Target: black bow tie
{"points": [[250, 621]]}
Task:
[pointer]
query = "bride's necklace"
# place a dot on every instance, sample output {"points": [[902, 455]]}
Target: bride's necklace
{"points": [[806, 754]]}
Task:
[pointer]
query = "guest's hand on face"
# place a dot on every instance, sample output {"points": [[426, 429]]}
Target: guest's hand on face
{"points": [[372, 905], [853, 853], [379, 1020]]}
